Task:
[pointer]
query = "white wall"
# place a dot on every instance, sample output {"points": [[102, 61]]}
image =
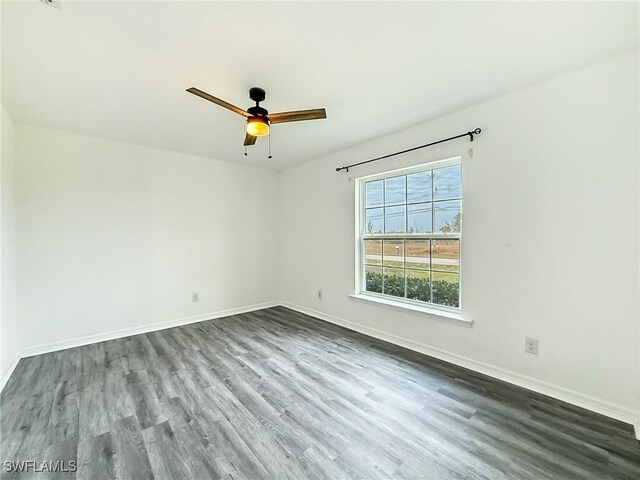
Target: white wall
{"points": [[550, 246], [114, 236], [8, 335]]}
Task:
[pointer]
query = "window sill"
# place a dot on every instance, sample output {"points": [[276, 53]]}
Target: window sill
{"points": [[452, 317]]}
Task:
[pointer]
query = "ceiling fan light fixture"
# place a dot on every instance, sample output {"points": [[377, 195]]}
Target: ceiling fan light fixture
{"points": [[257, 126], [258, 119]]}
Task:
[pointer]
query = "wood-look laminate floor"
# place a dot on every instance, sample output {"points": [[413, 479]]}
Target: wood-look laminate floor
{"points": [[277, 394]]}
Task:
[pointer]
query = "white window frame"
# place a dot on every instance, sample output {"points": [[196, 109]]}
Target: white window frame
{"points": [[360, 277]]}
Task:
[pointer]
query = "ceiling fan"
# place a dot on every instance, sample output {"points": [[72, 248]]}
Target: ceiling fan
{"points": [[258, 118]]}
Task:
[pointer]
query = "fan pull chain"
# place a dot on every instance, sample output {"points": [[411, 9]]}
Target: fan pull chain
{"points": [[269, 145], [245, 150]]}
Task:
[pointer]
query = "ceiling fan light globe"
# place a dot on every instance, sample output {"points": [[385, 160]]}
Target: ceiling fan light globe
{"points": [[257, 126]]}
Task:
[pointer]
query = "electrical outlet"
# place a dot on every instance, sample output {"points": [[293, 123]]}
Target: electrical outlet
{"points": [[319, 294], [531, 345], [195, 297]]}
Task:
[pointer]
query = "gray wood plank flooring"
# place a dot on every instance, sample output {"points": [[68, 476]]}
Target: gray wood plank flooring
{"points": [[277, 394]]}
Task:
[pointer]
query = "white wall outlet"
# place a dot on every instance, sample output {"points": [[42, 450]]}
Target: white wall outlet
{"points": [[531, 345], [319, 294], [195, 297]]}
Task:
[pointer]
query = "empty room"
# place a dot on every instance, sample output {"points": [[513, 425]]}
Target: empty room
{"points": [[320, 240]]}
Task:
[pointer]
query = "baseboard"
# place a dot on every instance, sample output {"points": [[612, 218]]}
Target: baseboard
{"points": [[152, 327], [603, 407], [7, 374]]}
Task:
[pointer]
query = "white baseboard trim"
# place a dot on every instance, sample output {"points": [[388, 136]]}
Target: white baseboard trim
{"points": [[151, 327], [603, 407], [9, 371]]}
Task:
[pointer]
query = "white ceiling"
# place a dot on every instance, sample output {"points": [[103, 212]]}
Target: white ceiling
{"points": [[120, 69]]}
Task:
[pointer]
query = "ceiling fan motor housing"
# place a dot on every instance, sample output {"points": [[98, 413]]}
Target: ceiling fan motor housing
{"points": [[257, 111]]}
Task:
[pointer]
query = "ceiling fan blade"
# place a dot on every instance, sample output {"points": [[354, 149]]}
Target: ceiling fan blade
{"points": [[297, 116], [249, 140], [217, 101]]}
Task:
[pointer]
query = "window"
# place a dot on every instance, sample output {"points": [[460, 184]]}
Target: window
{"points": [[409, 234]]}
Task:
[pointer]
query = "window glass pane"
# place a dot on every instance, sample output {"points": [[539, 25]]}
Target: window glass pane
{"points": [[373, 279], [395, 220], [418, 285], [445, 255], [419, 187], [394, 191], [445, 288], [446, 183], [374, 220], [393, 282], [447, 216], [373, 194], [393, 253], [419, 218], [418, 254], [373, 252]]}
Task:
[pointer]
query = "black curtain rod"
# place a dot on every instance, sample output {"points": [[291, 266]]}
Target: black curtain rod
{"points": [[469, 134]]}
